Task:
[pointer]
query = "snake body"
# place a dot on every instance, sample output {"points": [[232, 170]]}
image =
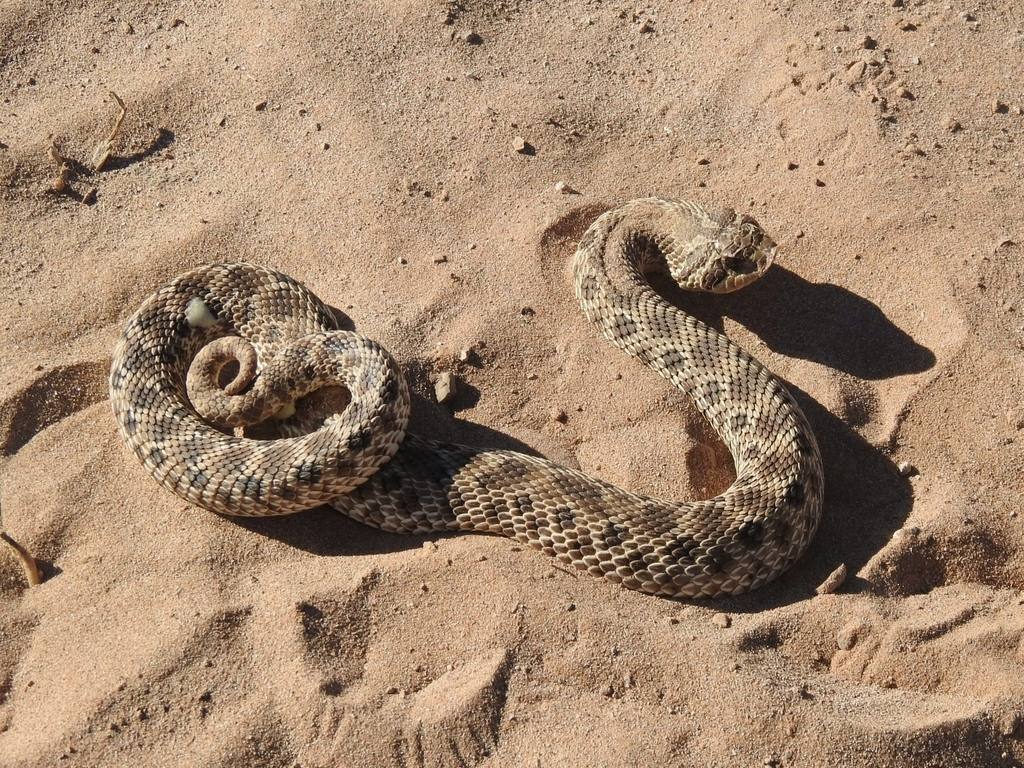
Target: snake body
{"points": [[284, 341]]}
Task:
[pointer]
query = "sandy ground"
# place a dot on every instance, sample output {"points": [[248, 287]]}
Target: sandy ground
{"points": [[368, 150]]}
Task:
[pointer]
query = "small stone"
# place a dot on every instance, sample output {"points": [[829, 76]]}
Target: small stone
{"points": [[855, 72], [472, 37], [259, 106], [440, 258], [444, 387], [833, 582], [559, 415], [703, 161], [907, 469], [868, 43], [326, 146], [673, 620], [527, 312], [564, 188], [916, 60], [999, 107], [90, 197], [792, 166], [903, 93], [391, 691], [819, 183], [646, 27], [912, 150], [402, 260], [521, 145], [606, 690], [953, 126], [570, 606], [532, 376], [220, 120], [1009, 724], [722, 620], [126, 28], [840, 27], [850, 633]]}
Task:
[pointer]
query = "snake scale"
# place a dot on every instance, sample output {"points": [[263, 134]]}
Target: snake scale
{"points": [[226, 346]]}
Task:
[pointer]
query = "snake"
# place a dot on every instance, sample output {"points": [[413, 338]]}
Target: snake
{"points": [[225, 350]]}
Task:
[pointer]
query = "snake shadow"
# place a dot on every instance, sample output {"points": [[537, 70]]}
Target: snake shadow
{"points": [[819, 322]]}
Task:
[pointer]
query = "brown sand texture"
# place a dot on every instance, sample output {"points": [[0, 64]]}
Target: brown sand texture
{"points": [[369, 149]]}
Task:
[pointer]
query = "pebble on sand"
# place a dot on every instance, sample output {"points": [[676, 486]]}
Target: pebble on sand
{"points": [[444, 387], [522, 146], [833, 582]]}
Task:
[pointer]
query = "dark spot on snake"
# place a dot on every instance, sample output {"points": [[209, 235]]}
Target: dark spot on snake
{"points": [[197, 477], [712, 390], [566, 515], [494, 477], [739, 421], [803, 445], [636, 560], [359, 440], [624, 326], [524, 504], [613, 535], [752, 451], [749, 534], [156, 454], [131, 424], [680, 549], [795, 494], [588, 286], [391, 387], [252, 485], [310, 473], [670, 359]]}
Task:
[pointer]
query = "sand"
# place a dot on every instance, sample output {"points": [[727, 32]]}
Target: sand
{"points": [[369, 150]]}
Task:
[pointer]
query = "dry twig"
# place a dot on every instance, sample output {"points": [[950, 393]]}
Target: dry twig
{"points": [[61, 183], [106, 147]]}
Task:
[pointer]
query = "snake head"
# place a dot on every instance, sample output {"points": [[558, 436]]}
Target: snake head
{"points": [[743, 252]]}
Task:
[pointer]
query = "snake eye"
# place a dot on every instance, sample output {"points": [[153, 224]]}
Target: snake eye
{"points": [[739, 264]]}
